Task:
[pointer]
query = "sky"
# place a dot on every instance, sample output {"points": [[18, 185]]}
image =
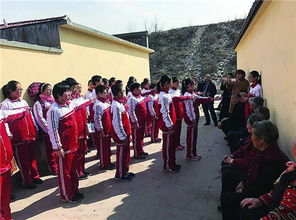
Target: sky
{"points": [[121, 16]]}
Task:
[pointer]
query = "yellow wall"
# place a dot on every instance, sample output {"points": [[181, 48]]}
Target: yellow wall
{"points": [[269, 46], [83, 56]]}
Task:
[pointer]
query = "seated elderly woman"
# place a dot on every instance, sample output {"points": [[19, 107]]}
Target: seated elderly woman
{"points": [[280, 203], [263, 169]]}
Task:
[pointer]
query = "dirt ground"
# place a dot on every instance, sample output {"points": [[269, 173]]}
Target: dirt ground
{"points": [[191, 194]]}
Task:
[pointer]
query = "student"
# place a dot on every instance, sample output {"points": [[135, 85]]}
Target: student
{"points": [[191, 117], [130, 81], [167, 122], [102, 121], [23, 136], [153, 115], [175, 92], [138, 113], [121, 135], [63, 133], [44, 101], [105, 82], [6, 158], [89, 93]]}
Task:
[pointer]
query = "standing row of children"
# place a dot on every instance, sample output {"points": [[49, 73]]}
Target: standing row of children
{"points": [[64, 118]]}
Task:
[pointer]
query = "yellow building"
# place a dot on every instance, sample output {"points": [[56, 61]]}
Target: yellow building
{"points": [[267, 44], [50, 50]]}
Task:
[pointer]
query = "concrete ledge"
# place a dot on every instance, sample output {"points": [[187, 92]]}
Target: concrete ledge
{"points": [[4, 42]]}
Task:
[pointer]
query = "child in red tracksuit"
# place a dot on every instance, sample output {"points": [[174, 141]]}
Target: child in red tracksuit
{"points": [[137, 110], [63, 133], [23, 135], [5, 159], [167, 123], [153, 115], [103, 124], [176, 93], [40, 108], [191, 117], [121, 135]]}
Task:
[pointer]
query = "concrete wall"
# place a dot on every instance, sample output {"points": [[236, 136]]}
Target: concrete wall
{"points": [[269, 46], [83, 55]]}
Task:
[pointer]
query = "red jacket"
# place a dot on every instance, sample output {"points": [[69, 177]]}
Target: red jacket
{"points": [[121, 129], [23, 129], [62, 127], [5, 144], [137, 109]]}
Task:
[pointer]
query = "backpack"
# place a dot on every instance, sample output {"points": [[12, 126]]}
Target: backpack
{"points": [[33, 89]]}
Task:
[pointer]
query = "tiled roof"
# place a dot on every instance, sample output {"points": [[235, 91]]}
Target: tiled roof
{"points": [[252, 13], [22, 23]]}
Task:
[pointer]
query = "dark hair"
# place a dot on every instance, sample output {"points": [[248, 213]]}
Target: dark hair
{"points": [[10, 87], [257, 101], [230, 74], [134, 86], [118, 82], [105, 81], [153, 86], [89, 81], [237, 95], [116, 89], [164, 79], [142, 85], [264, 112], [240, 71], [100, 89], [145, 81], [175, 79], [96, 78], [42, 88], [112, 80], [267, 131], [256, 75], [158, 87], [71, 81], [59, 89], [255, 117], [185, 83], [130, 81], [5, 91]]}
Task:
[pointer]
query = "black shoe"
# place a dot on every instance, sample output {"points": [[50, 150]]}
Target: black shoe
{"points": [[29, 186], [142, 157], [38, 181], [145, 154], [216, 124], [110, 167], [174, 170], [86, 173], [80, 195], [131, 175], [76, 199], [178, 166], [12, 197], [158, 140], [205, 124], [83, 177]]}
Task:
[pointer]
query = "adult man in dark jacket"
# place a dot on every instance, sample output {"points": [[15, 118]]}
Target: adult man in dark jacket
{"points": [[208, 89]]}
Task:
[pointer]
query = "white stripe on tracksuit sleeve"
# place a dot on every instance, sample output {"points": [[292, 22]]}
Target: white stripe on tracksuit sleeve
{"points": [[98, 113], [151, 106], [117, 123], [165, 111], [53, 120], [38, 113], [132, 109]]}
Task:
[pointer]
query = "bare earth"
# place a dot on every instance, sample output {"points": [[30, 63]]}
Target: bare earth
{"points": [[191, 194]]}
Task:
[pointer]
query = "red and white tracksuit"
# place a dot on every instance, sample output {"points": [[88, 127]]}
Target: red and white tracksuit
{"points": [[5, 160], [63, 133], [103, 124], [23, 140], [191, 117], [120, 132], [40, 110], [179, 114], [138, 112], [81, 105], [148, 123], [153, 115], [91, 95], [167, 119]]}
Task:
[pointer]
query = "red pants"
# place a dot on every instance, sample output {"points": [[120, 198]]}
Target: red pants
{"points": [[51, 157], [5, 189], [138, 140], [26, 161], [80, 155], [122, 160], [191, 141], [154, 130], [168, 151], [148, 125], [177, 133], [67, 176], [104, 149]]}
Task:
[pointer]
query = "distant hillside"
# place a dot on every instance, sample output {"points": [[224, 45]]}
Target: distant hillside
{"points": [[195, 51]]}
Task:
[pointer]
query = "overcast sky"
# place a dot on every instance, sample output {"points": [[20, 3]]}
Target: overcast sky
{"points": [[120, 16]]}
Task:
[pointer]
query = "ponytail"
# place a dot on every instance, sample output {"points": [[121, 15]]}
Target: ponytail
{"points": [[164, 79], [185, 83], [5, 91], [256, 75]]}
